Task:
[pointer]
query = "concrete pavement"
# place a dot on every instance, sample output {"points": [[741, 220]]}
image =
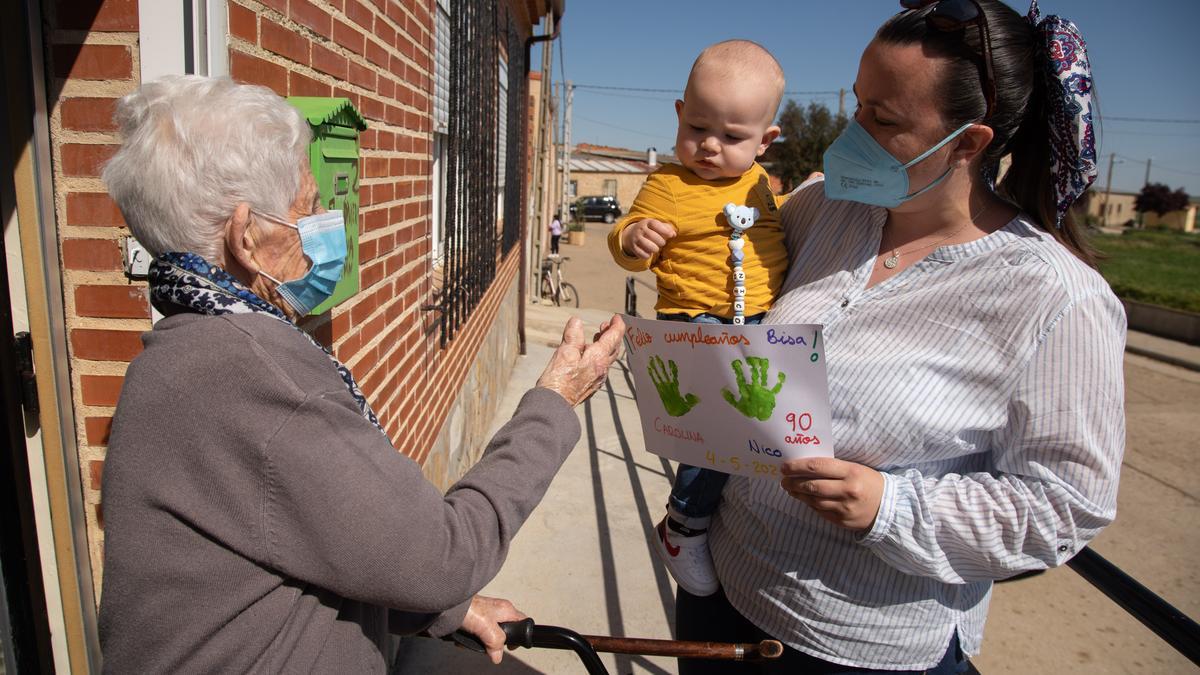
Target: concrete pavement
{"points": [[1058, 623], [1175, 353], [582, 560]]}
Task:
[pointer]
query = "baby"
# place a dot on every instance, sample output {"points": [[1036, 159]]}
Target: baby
{"points": [[715, 258]]}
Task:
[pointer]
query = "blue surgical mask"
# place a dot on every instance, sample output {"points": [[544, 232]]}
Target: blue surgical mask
{"points": [[323, 239], [859, 169]]}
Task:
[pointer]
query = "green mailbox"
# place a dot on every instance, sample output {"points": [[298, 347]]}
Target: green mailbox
{"points": [[333, 155]]}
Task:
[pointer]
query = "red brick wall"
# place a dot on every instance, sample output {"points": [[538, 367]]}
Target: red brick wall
{"points": [[92, 59], [379, 55]]}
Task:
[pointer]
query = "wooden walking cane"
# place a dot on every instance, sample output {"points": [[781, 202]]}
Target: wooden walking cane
{"points": [[529, 635], [729, 651]]}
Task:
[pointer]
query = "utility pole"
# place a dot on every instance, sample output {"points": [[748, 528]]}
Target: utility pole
{"points": [[1141, 217], [542, 156], [842, 102], [556, 144], [565, 209], [1112, 157]]}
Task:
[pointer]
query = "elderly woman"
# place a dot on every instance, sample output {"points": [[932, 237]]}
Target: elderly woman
{"points": [[257, 518], [974, 353]]}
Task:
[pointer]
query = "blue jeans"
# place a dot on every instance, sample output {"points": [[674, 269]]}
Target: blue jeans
{"points": [[697, 492]]}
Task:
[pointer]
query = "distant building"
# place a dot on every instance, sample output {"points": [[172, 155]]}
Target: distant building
{"points": [[620, 172], [1113, 209], [613, 172], [1183, 220]]}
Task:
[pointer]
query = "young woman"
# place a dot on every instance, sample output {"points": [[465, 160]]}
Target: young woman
{"points": [[975, 357]]}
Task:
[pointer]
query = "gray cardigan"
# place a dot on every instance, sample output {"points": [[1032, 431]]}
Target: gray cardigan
{"points": [[255, 521]]}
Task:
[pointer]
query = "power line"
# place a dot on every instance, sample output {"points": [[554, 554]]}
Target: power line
{"points": [[1120, 132], [641, 89], [658, 136], [620, 95], [1173, 170], [680, 91], [1156, 120], [617, 94], [1158, 166]]}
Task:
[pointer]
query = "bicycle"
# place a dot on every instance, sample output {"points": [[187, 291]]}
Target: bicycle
{"points": [[553, 286]]}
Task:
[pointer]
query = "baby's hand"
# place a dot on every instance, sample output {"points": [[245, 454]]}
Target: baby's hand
{"points": [[646, 237]]}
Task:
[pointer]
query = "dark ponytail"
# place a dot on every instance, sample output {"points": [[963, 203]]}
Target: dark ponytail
{"points": [[1019, 120]]}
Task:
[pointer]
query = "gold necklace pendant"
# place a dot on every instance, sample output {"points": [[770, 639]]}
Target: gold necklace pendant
{"points": [[893, 261]]}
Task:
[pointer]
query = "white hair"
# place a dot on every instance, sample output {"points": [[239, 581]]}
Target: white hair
{"points": [[194, 148]]}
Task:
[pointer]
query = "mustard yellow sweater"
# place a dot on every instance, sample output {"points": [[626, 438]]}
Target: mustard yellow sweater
{"points": [[693, 270]]}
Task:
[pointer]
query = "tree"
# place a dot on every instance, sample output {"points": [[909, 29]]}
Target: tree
{"points": [[1160, 199], [805, 134]]}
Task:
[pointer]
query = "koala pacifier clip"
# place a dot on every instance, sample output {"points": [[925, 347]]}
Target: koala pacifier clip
{"points": [[740, 218]]}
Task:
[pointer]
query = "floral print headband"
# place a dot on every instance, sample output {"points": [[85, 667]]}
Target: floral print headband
{"points": [[1068, 76]]}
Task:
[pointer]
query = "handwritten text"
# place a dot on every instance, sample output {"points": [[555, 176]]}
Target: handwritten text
{"points": [[638, 337], [699, 337], [782, 338], [676, 432], [764, 450]]}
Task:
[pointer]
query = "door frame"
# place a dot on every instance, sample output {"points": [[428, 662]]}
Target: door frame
{"points": [[28, 133]]}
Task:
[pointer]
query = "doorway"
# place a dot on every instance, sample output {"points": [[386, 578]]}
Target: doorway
{"points": [[24, 624]]}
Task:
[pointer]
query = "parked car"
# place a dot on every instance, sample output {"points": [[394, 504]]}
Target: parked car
{"points": [[596, 208]]}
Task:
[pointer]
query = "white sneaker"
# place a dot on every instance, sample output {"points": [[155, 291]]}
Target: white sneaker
{"points": [[687, 558]]}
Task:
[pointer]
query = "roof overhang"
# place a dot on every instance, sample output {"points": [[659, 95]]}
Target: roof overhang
{"points": [[544, 7]]}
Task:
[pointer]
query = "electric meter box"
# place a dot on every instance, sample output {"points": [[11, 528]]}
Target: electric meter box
{"points": [[333, 157]]}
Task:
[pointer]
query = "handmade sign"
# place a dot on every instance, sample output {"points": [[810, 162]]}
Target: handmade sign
{"points": [[738, 399]]}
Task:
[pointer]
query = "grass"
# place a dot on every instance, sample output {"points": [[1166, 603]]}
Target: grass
{"points": [[1155, 266]]}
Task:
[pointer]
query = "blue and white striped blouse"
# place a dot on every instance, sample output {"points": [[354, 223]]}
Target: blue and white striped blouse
{"points": [[985, 383]]}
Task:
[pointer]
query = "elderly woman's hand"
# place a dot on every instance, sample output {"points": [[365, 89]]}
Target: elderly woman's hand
{"points": [[844, 493], [483, 621], [577, 369]]}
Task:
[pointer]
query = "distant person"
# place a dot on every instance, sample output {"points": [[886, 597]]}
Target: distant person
{"points": [[974, 358], [556, 230], [681, 227]]}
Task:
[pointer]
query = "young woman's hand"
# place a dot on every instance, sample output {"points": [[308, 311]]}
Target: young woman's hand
{"points": [[844, 493]]}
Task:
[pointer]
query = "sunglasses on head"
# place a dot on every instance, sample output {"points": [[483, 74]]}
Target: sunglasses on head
{"points": [[952, 15]]}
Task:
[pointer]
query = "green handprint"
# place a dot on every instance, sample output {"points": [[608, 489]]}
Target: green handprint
{"points": [[757, 401], [668, 388]]}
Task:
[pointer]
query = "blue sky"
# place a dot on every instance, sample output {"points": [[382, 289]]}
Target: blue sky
{"points": [[1145, 58]]}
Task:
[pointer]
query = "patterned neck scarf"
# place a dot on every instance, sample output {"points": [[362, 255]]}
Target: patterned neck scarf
{"points": [[188, 281], [1068, 76]]}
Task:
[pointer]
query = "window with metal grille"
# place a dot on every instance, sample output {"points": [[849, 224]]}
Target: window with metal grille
{"points": [[501, 139], [515, 129], [480, 155], [437, 190], [441, 123], [441, 79], [469, 265]]}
